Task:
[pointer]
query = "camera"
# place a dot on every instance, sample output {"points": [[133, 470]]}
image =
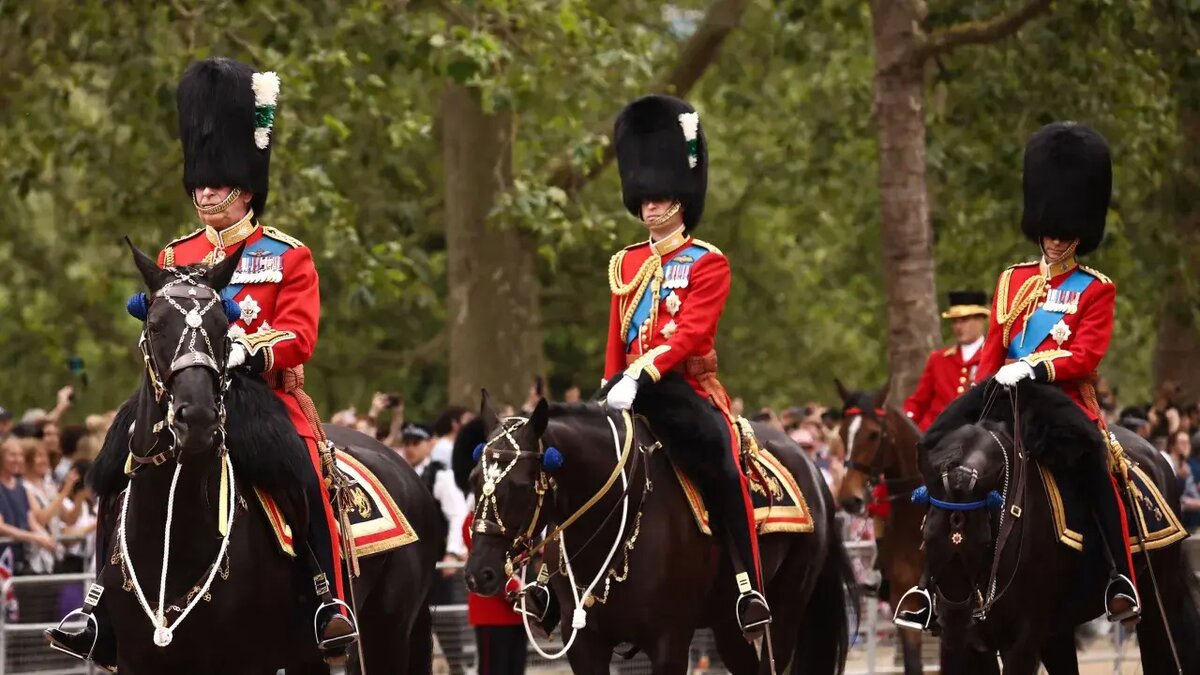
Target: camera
{"points": [[394, 400]]}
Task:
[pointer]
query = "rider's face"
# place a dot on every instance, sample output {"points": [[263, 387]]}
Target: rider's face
{"points": [[652, 210], [212, 196], [1056, 249]]}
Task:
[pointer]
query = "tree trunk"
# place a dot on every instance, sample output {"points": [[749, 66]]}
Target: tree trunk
{"points": [[495, 320], [1177, 352], [905, 234]]}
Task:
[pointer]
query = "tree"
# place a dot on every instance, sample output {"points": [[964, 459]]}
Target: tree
{"points": [[902, 52]]}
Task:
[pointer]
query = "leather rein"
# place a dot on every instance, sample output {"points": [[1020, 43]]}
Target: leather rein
{"points": [[873, 471]]}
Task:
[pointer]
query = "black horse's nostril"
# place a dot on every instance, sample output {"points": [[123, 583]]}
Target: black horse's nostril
{"points": [[853, 505], [195, 415], [486, 577]]}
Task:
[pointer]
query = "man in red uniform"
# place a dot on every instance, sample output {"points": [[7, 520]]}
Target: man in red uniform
{"points": [[1052, 319], [951, 371], [668, 294], [226, 113]]}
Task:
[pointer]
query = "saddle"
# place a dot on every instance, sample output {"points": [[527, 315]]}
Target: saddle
{"points": [[779, 505], [375, 522]]}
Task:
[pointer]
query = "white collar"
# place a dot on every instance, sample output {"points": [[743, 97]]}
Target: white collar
{"points": [[971, 349]]}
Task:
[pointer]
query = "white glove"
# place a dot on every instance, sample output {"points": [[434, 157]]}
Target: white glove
{"points": [[237, 356], [1014, 373], [620, 397]]}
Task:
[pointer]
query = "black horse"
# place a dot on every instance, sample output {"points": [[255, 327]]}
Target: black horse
{"points": [[663, 581], [1025, 607], [255, 617]]}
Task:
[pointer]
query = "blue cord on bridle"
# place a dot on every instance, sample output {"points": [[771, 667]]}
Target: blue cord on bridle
{"points": [[921, 496]]}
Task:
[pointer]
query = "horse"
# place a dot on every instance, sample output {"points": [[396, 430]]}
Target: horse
{"points": [[881, 447], [202, 439], [623, 531], [1021, 595]]}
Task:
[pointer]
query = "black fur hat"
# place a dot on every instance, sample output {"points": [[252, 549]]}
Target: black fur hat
{"points": [[226, 113], [1067, 185], [657, 160]]}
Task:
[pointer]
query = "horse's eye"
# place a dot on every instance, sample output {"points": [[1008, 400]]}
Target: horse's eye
{"points": [[874, 435]]}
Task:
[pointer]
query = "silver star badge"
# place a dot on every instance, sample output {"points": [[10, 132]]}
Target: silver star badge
{"points": [[250, 309], [1060, 332]]}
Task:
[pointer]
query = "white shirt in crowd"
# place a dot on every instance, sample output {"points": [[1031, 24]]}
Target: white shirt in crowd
{"points": [[452, 502], [443, 451]]}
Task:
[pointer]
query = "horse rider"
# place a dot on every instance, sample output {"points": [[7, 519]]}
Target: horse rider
{"points": [[226, 116], [1052, 320], [667, 296], [951, 371]]}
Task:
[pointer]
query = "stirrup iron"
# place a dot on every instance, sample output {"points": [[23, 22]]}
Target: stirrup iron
{"points": [[342, 640], [928, 605], [1135, 609], [753, 625], [543, 602]]}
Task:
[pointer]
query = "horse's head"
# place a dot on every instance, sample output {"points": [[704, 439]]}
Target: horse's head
{"points": [[868, 439], [965, 475], [185, 346], [510, 484]]}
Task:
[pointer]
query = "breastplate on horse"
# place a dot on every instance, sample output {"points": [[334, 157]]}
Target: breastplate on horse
{"points": [[226, 113], [1051, 322]]}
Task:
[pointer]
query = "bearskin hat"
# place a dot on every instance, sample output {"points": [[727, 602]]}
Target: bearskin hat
{"points": [[226, 114], [662, 154], [1067, 185]]}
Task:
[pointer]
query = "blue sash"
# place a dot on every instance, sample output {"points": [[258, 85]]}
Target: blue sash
{"points": [[267, 246], [1038, 327], [692, 254]]}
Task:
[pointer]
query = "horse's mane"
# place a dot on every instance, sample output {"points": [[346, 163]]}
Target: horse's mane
{"points": [[1054, 429], [462, 459], [264, 446]]}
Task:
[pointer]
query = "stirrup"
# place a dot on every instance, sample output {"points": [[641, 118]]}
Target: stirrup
{"points": [[758, 624], [913, 619], [1134, 613], [90, 623], [341, 641], [542, 602]]}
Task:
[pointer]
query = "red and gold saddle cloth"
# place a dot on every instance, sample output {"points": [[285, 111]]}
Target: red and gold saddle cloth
{"points": [[779, 505], [376, 522]]}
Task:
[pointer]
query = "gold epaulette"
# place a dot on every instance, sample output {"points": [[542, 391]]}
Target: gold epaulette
{"points": [[1022, 264], [169, 250], [1099, 277], [636, 244], [707, 246], [949, 351], [285, 238]]}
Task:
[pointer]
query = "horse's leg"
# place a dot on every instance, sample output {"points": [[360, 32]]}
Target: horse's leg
{"points": [[1058, 653], [1023, 658], [910, 645], [670, 655], [590, 655], [1180, 595]]}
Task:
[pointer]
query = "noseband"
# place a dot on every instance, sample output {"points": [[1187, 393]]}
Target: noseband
{"points": [[494, 472], [184, 288]]}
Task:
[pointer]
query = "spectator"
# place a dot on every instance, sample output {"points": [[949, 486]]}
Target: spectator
{"points": [[6, 423], [52, 441], [571, 395], [37, 417], [418, 448], [46, 500], [446, 429], [69, 442], [16, 517], [1194, 457], [499, 635], [1190, 500], [78, 520]]}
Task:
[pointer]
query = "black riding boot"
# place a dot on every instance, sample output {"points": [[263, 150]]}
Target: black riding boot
{"points": [[334, 623], [919, 615], [1121, 601], [96, 642], [728, 517]]}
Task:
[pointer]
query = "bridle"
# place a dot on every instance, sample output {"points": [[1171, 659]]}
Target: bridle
{"points": [[875, 469], [493, 470], [189, 352]]}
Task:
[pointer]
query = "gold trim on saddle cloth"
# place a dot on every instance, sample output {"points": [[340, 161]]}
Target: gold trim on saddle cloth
{"points": [[796, 517], [1154, 540]]}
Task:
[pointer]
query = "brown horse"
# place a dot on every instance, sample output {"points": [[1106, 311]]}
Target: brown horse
{"points": [[881, 447], [597, 474], [252, 605]]}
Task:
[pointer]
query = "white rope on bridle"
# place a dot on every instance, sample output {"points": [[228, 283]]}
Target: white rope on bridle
{"points": [[579, 614], [164, 633]]}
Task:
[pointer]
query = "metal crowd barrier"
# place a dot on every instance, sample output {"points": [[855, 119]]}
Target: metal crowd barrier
{"points": [[874, 648]]}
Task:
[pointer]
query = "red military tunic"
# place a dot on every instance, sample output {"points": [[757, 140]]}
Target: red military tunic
{"points": [[946, 376], [277, 289], [677, 331], [1072, 351]]}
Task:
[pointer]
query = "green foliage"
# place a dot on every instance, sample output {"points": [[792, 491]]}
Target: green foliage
{"points": [[87, 128]]}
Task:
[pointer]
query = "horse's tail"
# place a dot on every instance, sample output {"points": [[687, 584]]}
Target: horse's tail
{"points": [[824, 638], [1179, 589]]}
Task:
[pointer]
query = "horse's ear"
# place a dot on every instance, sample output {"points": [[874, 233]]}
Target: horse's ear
{"points": [[540, 418], [151, 273], [881, 396], [842, 392], [218, 276], [487, 412]]}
